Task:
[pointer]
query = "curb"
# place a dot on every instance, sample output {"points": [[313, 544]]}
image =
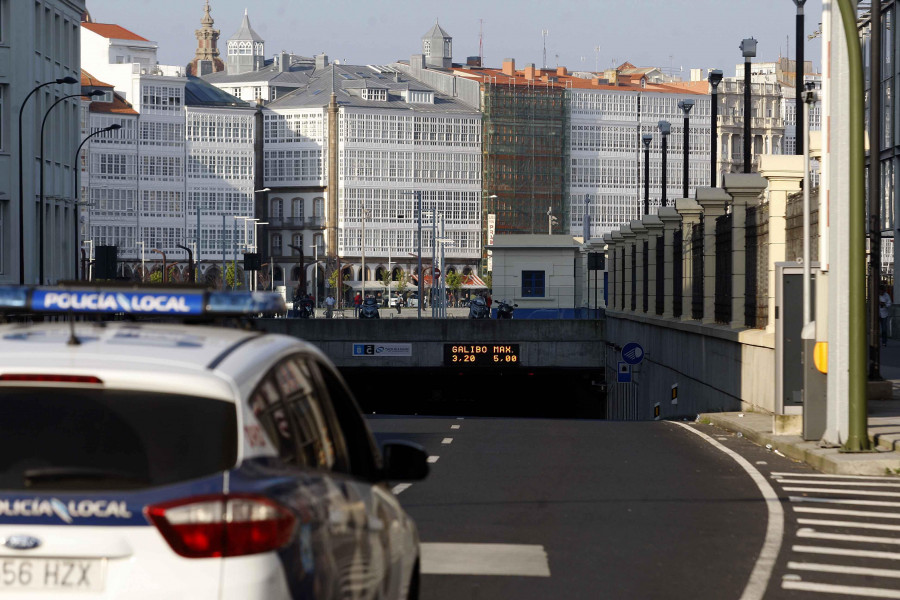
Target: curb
{"points": [[757, 428]]}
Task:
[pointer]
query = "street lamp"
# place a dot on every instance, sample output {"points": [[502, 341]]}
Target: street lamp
{"points": [[748, 49], [75, 172], [93, 94], [664, 129], [21, 183], [550, 220], [799, 70], [257, 223], [142, 261], [365, 213], [646, 139], [686, 105], [715, 78], [190, 261], [165, 275]]}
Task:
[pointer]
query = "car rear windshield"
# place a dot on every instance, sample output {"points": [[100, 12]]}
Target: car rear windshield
{"points": [[71, 439]]}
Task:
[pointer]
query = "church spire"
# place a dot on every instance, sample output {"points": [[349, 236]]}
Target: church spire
{"points": [[206, 59]]}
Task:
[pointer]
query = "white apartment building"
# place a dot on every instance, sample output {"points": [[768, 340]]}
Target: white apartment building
{"points": [[192, 149], [397, 137], [39, 44]]}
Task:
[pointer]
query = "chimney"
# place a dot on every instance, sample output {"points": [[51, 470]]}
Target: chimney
{"points": [[561, 71], [509, 67], [321, 61], [529, 71], [284, 62]]}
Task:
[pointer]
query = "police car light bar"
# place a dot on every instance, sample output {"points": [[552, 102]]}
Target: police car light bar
{"points": [[139, 301]]}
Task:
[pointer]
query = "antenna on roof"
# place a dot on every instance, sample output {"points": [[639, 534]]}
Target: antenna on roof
{"points": [[544, 34], [480, 41]]}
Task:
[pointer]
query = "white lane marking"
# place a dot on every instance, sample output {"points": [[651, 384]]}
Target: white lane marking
{"points": [[523, 560], [847, 552], [848, 524], [765, 562], [460, 418], [433, 459], [447, 441], [805, 532], [838, 483], [777, 475], [454, 427], [846, 513], [844, 590], [761, 462], [845, 492], [400, 487], [843, 501], [843, 569]]}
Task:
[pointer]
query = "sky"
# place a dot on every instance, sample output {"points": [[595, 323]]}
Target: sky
{"points": [[582, 34]]}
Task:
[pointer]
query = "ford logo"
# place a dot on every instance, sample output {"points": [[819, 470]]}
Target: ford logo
{"points": [[22, 542]]}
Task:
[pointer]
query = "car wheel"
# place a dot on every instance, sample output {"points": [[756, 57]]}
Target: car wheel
{"points": [[414, 583]]}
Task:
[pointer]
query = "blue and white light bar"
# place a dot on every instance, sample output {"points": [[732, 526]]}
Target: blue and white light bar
{"points": [[139, 301]]}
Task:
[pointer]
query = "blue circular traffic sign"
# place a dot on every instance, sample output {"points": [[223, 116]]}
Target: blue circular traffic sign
{"points": [[632, 353]]}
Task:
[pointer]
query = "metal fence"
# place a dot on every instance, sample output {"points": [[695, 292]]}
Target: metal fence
{"points": [[722, 312], [697, 271], [677, 272], [660, 274], [756, 303], [646, 287]]}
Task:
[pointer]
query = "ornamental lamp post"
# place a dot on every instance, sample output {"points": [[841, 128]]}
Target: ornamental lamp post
{"points": [[715, 78], [798, 150], [646, 139], [665, 128], [686, 105], [75, 171], [748, 49], [67, 80]]}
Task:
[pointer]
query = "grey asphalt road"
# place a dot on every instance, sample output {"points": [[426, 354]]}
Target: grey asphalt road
{"points": [[621, 510]]}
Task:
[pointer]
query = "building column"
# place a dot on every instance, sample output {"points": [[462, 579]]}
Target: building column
{"points": [[640, 233], [714, 201], [690, 213], [628, 246], [610, 270], [785, 176], [654, 227], [744, 190], [619, 260], [671, 220]]}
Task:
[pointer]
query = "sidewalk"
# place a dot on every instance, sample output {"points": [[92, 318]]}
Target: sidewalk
{"points": [[883, 427]]}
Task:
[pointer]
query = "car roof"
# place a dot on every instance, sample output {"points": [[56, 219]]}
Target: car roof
{"points": [[174, 358]]}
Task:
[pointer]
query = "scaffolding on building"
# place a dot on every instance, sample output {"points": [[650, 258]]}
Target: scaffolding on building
{"points": [[525, 158]]}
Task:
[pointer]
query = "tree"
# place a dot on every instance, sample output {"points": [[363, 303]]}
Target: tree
{"points": [[333, 282], [455, 282], [488, 280], [230, 281], [156, 277]]}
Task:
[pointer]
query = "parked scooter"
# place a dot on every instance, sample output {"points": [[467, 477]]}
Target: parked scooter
{"points": [[478, 309], [369, 309], [505, 309]]}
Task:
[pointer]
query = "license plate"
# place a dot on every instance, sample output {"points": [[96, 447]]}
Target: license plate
{"points": [[62, 574]]}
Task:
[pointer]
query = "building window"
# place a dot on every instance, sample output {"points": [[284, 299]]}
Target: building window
{"points": [[297, 210], [296, 240], [533, 284], [276, 244], [277, 208]]}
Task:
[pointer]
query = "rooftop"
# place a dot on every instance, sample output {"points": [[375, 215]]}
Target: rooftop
{"points": [[113, 32]]}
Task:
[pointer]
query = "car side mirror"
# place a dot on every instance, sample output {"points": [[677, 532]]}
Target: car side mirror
{"points": [[404, 461]]}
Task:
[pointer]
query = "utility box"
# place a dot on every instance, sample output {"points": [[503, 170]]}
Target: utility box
{"points": [[793, 355]]}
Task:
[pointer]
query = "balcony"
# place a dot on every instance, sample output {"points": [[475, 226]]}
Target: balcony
{"points": [[296, 223]]}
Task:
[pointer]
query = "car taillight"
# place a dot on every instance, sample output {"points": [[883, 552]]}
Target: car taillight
{"points": [[222, 525], [50, 378]]}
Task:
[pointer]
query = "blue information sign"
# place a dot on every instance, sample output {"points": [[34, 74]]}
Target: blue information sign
{"points": [[632, 353], [624, 374]]}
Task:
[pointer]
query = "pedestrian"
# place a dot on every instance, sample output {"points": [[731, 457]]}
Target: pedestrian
{"points": [[884, 305], [329, 306], [399, 304], [488, 301], [357, 302]]}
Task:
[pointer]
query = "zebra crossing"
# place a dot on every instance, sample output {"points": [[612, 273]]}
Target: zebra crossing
{"points": [[847, 539]]}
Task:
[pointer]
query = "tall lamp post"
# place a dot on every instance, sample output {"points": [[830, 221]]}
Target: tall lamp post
{"points": [[21, 183], [748, 49], [646, 139], [686, 106], [799, 70], [93, 94], [665, 128], [190, 259], [165, 275], [715, 78], [75, 172], [256, 224], [365, 213]]}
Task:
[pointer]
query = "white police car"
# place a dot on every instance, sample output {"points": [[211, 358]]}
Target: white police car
{"points": [[153, 460]]}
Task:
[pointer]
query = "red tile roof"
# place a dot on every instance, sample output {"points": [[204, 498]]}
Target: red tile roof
{"points": [[113, 32], [89, 80]]}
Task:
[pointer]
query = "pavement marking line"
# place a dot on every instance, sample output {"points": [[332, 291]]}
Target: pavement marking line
{"points": [[837, 483], [845, 492], [806, 532], [523, 560], [843, 569], [844, 590], [847, 552], [768, 554], [400, 487], [843, 501], [846, 513], [777, 475], [848, 524], [433, 459], [454, 427], [447, 441]]}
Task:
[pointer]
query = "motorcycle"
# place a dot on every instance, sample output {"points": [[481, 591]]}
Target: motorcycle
{"points": [[304, 309], [505, 309], [478, 309], [369, 309]]}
